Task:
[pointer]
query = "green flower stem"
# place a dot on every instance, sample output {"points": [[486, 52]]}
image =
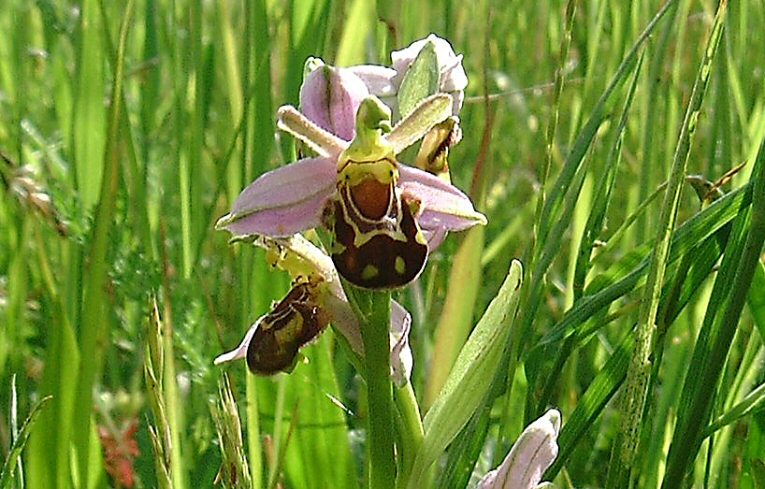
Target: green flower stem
{"points": [[373, 311], [410, 429]]}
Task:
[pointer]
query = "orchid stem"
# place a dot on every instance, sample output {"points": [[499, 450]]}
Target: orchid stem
{"points": [[373, 311], [410, 430]]}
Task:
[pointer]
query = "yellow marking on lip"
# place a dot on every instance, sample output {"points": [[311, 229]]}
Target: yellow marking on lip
{"points": [[400, 265], [370, 272]]}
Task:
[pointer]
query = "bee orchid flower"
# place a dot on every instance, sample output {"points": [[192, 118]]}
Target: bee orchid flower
{"points": [[380, 212], [272, 343]]}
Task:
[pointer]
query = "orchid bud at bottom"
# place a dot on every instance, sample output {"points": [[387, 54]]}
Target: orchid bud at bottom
{"points": [[532, 454]]}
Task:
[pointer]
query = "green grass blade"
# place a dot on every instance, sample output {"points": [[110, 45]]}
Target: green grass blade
{"points": [[592, 229], [630, 271], [720, 323], [752, 403], [593, 401], [563, 194], [586, 135], [89, 140], [756, 300], [636, 388], [651, 154], [558, 82], [597, 216], [319, 454], [19, 441]]}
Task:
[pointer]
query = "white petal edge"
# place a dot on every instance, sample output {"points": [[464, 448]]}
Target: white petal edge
{"points": [[241, 350]]}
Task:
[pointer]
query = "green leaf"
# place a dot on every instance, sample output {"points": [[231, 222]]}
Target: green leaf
{"points": [[470, 379], [754, 401]]}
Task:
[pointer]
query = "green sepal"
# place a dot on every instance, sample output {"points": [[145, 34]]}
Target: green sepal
{"points": [[420, 81]]}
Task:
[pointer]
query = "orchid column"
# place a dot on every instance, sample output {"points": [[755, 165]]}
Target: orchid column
{"points": [[382, 218]]}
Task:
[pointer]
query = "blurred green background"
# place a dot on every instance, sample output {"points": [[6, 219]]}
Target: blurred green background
{"points": [[127, 128]]}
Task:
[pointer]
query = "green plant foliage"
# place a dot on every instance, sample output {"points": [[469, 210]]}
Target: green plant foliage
{"points": [[615, 148]]}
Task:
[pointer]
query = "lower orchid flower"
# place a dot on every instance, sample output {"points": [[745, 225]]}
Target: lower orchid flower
{"points": [[272, 343], [532, 454], [380, 212]]}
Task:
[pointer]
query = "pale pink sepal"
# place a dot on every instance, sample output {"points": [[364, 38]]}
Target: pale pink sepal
{"points": [[443, 206], [330, 97], [401, 360], [345, 322], [284, 201], [434, 237], [378, 79]]}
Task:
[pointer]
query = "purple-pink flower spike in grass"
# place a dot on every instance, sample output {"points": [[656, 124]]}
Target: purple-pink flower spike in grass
{"points": [[533, 452], [360, 190]]}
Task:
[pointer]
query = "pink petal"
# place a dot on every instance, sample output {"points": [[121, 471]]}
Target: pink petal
{"points": [[434, 237], [284, 201], [378, 79], [330, 97], [443, 206], [533, 452]]}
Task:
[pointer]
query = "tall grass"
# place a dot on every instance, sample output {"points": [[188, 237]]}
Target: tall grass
{"points": [[128, 128]]}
